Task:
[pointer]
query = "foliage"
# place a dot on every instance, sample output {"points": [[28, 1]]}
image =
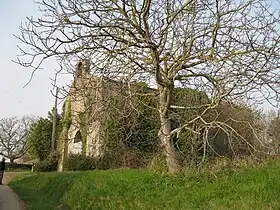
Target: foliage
{"points": [[64, 124], [124, 158], [158, 164], [189, 140], [49, 164], [131, 126], [66, 114], [50, 115], [80, 162], [245, 124], [39, 138], [245, 188], [233, 129]]}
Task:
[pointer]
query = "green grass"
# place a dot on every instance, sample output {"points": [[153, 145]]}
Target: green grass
{"points": [[17, 170], [255, 188]]}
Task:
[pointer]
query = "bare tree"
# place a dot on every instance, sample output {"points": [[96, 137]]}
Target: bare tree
{"points": [[227, 48], [13, 136]]}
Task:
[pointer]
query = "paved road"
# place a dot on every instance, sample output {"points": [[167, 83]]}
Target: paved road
{"points": [[9, 200]]}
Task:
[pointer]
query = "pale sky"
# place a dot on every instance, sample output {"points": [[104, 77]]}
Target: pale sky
{"points": [[36, 98]]}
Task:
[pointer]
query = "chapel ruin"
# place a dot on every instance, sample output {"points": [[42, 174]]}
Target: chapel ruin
{"points": [[85, 107]]}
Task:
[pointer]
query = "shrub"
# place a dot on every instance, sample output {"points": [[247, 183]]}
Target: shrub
{"points": [[80, 162], [125, 158], [49, 164], [132, 159], [39, 139], [158, 163]]}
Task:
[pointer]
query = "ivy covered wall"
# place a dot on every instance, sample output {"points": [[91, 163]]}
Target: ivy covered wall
{"points": [[63, 134]]}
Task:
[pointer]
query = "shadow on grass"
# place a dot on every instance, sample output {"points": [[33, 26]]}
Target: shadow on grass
{"points": [[38, 194]]}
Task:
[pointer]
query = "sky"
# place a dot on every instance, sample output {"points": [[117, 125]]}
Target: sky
{"points": [[36, 98]]}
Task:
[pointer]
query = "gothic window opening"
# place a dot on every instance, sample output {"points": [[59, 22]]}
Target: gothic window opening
{"points": [[78, 137]]}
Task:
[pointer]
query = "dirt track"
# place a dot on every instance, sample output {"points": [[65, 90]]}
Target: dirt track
{"points": [[8, 176]]}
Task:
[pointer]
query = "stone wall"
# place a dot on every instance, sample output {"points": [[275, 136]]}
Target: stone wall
{"points": [[89, 97]]}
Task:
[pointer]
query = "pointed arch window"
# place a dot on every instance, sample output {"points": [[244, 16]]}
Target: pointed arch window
{"points": [[78, 137]]}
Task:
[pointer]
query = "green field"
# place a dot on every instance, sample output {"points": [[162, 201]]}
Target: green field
{"points": [[254, 188]]}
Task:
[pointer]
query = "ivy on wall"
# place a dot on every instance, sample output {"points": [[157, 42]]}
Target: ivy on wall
{"points": [[65, 123], [63, 133]]}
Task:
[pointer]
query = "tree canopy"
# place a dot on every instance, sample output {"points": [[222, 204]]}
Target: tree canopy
{"points": [[39, 139]]}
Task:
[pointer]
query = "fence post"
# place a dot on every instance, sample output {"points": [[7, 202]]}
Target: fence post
{"points": [[32, 168]]}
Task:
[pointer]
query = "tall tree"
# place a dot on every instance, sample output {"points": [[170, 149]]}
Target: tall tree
{"points": [[13, 136], [227, 48], [40, 138]]}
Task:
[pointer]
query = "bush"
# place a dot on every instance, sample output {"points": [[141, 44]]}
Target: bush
{"points": [[49, 164], [39, 139], [125, 158], [80, 162], [132, 159], [122, 159], [158, 163]]}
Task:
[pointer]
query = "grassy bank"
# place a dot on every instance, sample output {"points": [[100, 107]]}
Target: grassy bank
{"points": [[255, 188]]}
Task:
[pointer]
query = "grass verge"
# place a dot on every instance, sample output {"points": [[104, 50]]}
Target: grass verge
{"points": [[251, 188]]}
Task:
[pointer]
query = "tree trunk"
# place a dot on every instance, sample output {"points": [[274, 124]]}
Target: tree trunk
{"points": [[165, 129], [11, 160]]}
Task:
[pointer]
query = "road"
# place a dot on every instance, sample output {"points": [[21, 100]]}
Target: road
{"points": [[9, 200]]}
